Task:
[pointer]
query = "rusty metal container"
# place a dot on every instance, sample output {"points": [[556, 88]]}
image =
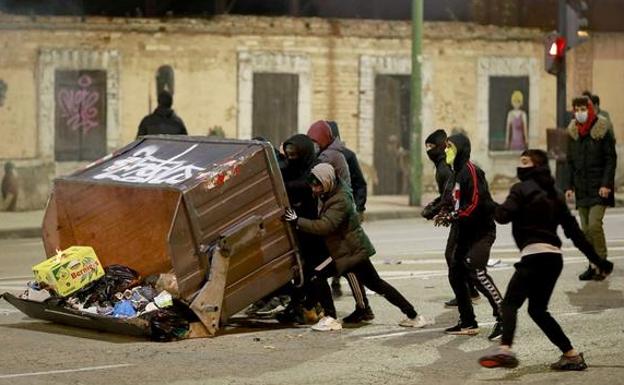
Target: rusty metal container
{"points": [[209, 210]]}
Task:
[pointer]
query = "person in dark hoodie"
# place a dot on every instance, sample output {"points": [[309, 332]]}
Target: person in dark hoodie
{"points": [[468, 206], [435, 145], [535, 209], [330, 151], [163, 121], [591, 161], [348, 245]]}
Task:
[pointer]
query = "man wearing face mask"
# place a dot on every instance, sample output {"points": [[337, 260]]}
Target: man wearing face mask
{"points": [[468, 207], [535, 209], [436, 146], [591, 161]]}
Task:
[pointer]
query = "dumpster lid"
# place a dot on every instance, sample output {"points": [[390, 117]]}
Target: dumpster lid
{"points": [[180, 162]]}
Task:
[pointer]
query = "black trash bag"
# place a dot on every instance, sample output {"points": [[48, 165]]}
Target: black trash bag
{"points": [[117, 279], [167, 325]]}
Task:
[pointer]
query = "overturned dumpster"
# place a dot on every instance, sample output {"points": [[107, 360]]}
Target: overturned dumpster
{"points": [[207, 211]]}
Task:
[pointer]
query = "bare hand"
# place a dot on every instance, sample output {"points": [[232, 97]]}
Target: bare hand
{"points": [[569, 194], [604, 192]]}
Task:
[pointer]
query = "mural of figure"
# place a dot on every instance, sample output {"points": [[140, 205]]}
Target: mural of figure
{"points": [[517, 128]]}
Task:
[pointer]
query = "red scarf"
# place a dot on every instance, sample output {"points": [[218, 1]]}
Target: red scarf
{"points": [[583, 128]]}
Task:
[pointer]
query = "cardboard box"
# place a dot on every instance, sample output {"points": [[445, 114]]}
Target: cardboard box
{"points": [[69, 270]]}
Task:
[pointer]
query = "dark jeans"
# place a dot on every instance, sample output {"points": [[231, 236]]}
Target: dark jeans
{"points": [[535, 279], [367, 275], [469, 264], [448, 255]]}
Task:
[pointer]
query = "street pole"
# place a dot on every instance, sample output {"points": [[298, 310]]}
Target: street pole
{"points": [[561, 87], [416, 105]]}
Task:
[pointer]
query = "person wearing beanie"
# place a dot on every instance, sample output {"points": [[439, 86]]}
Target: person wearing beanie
{"points": [[163, 121], [591, 161], [435, 145], [535, 209], [349, 247]]}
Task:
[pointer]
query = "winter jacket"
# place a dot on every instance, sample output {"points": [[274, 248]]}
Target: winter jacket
{"points": [[443, 174], [339, 224], [535, 209], [591, 163], [469, 196], [163, 121], [331, 149]]}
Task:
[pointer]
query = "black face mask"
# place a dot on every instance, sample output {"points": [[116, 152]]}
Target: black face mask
{"points": [[524, 173], [436, 153]]}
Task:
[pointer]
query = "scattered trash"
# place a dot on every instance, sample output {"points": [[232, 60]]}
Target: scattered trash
{"points": [[124, 309], [166, 325], [163, 300]]}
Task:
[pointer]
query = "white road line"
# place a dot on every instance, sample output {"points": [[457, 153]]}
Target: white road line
{"points": [[87, 369]]}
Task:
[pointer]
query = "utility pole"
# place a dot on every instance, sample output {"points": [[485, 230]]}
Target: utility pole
{"points": [[561, 75], [416, 105]]}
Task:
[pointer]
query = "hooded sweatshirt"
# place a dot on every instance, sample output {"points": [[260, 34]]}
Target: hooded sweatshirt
{"points": [[163, 121], [331, 149], [443, 171], [358, 182], [535, 209], [469, 194]]}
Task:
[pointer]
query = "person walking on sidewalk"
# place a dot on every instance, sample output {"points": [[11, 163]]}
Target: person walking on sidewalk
{"points": [[591, 161], [535, 209], [469, 208], [436, 145], [349, 247]]}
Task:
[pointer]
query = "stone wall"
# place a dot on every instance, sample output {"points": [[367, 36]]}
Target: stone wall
{"points": [[214, 58]]}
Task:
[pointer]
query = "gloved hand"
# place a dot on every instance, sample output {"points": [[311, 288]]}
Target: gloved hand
{"points": [[445, 218], [290, 215]]}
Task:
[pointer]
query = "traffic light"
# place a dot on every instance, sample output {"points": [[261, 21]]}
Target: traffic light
{"points": [[554, 53], [576, 23]]}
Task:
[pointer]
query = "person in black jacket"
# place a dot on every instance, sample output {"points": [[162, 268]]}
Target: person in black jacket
{"points": [[436, 145], [468, 206], [591, 160], [163, 121], [535, 209]]}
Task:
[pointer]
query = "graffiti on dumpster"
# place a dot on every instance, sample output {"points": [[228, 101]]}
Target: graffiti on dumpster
{"points": [[143, 167], [78, 106]]}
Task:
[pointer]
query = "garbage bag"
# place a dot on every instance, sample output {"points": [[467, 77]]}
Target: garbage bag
{"points": [[118, 278], [167, 325]]}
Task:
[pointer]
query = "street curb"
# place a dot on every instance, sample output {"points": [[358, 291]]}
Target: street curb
{"points": [[27, 232]]}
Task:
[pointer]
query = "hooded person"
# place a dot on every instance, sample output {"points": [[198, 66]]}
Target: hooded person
{"points": [[330, 149], [163, 121], [468, 207], [592, 160], [349, 247], [536, 209], [435, 145]]}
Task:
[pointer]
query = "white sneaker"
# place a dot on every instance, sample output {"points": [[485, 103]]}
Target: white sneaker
{"points": [[327, 324], [418, 322]]}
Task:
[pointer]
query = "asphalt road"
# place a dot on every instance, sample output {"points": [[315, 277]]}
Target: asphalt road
{"points": [[410, 257]]}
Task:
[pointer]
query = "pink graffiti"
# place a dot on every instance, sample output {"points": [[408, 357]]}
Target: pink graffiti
{"points": [[78, 107]]}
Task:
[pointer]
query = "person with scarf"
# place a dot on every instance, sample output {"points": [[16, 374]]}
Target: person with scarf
{"points": [[349, 247], [591, 160], [535, 209]]}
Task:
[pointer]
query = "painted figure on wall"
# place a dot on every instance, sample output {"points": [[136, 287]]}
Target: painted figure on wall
{"points": [[517, 128]]}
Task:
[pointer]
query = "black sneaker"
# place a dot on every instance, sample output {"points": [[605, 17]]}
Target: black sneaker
{"points": [[588, 274], [359, 315], [497, 331], [570, 363], [451, 302], [604, 271], [463, 330], [499, 359]]}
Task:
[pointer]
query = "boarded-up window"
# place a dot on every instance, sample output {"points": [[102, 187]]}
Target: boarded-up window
{"points": [[275, 103], [392, 134], [80, 115]]}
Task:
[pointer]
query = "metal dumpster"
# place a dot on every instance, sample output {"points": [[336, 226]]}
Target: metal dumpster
{"points": [[210, 210]]}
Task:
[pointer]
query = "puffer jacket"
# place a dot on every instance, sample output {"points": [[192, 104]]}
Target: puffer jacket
{"points": [[339, 224], [591, 163]]}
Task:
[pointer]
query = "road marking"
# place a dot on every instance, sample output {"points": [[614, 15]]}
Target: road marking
{"points": [[87, 369], [426, 330]]}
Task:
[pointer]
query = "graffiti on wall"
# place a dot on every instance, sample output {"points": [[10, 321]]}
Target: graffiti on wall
{"points": [[142, 166], [78, 106]]}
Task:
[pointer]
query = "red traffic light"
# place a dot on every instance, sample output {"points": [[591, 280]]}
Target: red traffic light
{"points": [[557, 47]]}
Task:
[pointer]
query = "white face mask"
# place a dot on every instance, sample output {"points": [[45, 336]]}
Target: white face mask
{"points": [[581, 116]]}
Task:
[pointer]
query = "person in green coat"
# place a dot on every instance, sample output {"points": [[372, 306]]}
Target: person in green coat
{"points": [[349, 247], [591, 161]]}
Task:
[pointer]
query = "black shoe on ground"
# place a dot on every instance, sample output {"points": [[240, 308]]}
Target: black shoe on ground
{"points": [[497, 331], [359, 315], [463, 330], [588, 274], [570, 363], [451, 302], [604, 271], [499, 359]]}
